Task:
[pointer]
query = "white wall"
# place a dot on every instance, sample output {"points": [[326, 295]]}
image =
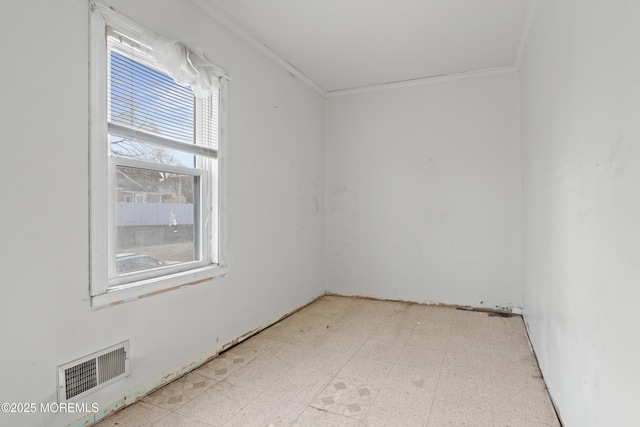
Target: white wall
{"points": [[276, 205], [581, 180], [423, 193]]}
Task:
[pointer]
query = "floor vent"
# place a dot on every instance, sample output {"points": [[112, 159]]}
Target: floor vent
{"points": [[90, 373]]}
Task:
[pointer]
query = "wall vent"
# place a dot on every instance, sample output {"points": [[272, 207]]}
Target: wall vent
{"points": [[92, 372]]}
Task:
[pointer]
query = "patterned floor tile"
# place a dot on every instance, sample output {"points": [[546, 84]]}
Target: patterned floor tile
{"points": [[225, 364], [346, 397], [180, 391]]}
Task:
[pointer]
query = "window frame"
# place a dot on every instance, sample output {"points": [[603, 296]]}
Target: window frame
{"points": [[103, 291]]}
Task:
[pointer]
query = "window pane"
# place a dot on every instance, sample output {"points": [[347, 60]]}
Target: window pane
{"points": [[144, 99], [155, 219], [131, 149]]}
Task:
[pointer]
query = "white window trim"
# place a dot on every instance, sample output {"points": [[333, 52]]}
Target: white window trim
{"points": [[100, 294]]}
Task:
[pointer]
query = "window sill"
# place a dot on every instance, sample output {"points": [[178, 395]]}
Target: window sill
{"points": [[158, 285]]}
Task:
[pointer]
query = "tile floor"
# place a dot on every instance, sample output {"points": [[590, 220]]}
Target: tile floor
{"points": [[356, 362]]}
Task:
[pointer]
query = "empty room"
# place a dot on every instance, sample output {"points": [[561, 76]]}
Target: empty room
{"points": [[320, 213]]}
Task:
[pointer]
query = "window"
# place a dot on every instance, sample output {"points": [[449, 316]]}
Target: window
{"points": [[156, 162]]}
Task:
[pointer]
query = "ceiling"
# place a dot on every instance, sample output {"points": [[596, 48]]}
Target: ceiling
{"points": [[347, 44]]}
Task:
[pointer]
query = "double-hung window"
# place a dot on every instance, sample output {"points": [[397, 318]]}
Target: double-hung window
{"points": [[156, 162]]}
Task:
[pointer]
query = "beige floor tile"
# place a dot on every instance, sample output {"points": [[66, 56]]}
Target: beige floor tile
{"points": [[461, 409], [360, 310], [428, 341], [469, 322], [324, 362], [366, 371], [344, 396], [393, 335], [401, 408], [506, 328], [379, 350], [180, 391], [509, 369], [480, 342], [219, 404], [440, 315], [139, 414], [430, 337], [412, 379], [342, 342], [409, 320], [176, 420], [299, 385], [530, 403], [458, 417], [516, 346], [313, 417], [422, 358], [464, 392], [437, 322], [267, 410], [291, 353], [258, 375], [307, 319], [362, 325], [514, 422], [465, 369]]}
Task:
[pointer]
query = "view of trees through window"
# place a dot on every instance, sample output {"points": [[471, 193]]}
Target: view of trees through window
{"points": [[156, 208]]}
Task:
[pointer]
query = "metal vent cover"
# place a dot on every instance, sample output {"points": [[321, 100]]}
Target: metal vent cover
{"points": [[92, 372]]}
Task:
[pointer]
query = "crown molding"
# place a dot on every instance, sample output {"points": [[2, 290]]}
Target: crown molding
{"points": [[216, 11], [423, 81]]}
